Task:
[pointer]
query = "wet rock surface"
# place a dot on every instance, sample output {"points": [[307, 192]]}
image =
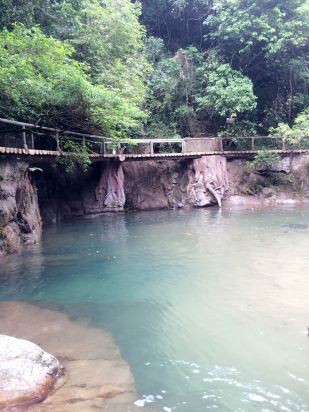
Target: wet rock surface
{"points": [[169, 184], [20, 220], [27, 373], [95, 378]]}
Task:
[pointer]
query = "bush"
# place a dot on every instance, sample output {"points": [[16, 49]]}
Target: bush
{"points": [[75, 154], [298, 134], [264, 161]]}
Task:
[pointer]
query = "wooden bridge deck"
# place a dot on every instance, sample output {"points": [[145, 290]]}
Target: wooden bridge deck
{"points": [[29, 140], [36, 154]]}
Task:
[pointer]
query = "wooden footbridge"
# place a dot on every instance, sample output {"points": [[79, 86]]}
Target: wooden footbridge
{"points": [[38, 143]]}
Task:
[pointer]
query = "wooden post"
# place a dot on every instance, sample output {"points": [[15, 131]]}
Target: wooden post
{"points": [[24, 137], [183, 146], [283, 144], [252, 143], [151, 147], [32, 141], [58, 142], [221, 144]]}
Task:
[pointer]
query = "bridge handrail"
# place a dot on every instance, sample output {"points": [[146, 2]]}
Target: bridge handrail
{"points": [[188, 144], [123, 141]]}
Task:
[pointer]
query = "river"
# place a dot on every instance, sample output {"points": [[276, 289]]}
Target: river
{"points": [[209, 307]]}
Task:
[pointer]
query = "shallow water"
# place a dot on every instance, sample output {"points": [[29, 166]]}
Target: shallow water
{"points": [[210, 308]]}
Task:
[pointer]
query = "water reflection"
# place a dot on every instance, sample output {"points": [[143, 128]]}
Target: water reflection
{"points": [[20, 275]]}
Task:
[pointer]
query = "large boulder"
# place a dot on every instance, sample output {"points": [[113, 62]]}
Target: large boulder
{"points": [[27, 373]]}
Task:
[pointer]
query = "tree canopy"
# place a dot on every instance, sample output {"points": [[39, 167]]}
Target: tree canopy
{"points": [[159, 67], [75, 63], [261, 48]]}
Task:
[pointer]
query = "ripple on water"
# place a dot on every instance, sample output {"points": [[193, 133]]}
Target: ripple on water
{"points": [[182, 291], [215, 383]]}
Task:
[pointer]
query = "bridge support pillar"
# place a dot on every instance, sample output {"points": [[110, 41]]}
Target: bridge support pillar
{"points": [[25, 146]]}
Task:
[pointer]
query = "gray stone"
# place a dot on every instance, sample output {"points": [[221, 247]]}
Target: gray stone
{"points": [[27, 373]]}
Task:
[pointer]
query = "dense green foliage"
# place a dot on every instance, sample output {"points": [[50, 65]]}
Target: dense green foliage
{"points": [[75, 63], [91, 65], [299, 130], [38, 76], [264, 161], [261, 48], [74, 154]]}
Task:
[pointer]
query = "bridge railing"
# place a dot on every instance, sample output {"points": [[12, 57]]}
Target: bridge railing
{"points": [[256, 143], [32, 136]]}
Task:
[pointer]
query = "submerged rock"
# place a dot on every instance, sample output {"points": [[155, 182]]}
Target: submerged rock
{"points": [[96, 377], [27, 373]]}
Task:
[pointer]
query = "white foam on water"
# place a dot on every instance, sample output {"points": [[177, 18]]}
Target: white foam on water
{"points": [[145, 401], [296, 377], [140, 402], [256, 398], [284, 390]]}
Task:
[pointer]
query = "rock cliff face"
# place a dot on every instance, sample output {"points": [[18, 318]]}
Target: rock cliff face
{"points": [[20, 221], [210, 181], [114, 186], [287, 182], [141, 185], [154, 185]]}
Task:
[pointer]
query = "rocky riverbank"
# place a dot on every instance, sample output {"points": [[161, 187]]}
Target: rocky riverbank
{"points": [[46, 193], [94, 375]]}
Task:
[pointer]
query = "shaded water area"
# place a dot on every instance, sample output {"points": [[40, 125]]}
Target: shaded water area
{"points": [[210, 308]]}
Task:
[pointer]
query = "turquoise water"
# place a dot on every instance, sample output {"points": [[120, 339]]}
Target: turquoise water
{"points": [[210, 308]]}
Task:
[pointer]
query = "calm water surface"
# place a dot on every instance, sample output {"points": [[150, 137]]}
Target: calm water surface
{"points": [[209, 308]]}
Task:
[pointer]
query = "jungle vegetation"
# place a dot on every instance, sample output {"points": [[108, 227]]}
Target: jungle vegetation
{"points": [[157, 67]]}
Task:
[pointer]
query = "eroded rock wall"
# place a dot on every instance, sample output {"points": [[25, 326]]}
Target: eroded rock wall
{"points": [[169, 184], [286, 182], [210, 180], [156, 184], [20, 220], [138, 185], [114, 186], [64, 196]]}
